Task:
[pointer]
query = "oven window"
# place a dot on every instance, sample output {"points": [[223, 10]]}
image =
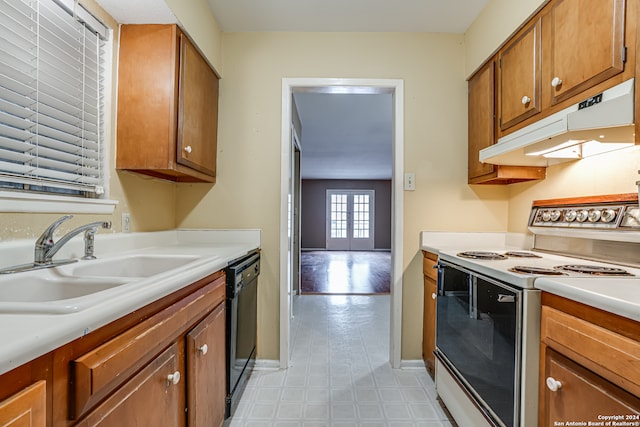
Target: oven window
{"points": [[477, 324]]}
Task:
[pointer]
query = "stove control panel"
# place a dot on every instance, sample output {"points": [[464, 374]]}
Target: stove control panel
{"points": [[594, 216]]}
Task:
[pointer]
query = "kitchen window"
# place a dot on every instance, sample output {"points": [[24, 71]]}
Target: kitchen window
{"points": [[53, 75]]}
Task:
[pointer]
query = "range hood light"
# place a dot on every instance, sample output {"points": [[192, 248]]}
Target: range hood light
{"points": [[552, 149], [573, 152], [592, 148]]}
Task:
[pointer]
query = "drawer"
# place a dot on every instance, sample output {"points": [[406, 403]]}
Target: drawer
{"points": [[429, 260], [102, 370], [607, 353]]}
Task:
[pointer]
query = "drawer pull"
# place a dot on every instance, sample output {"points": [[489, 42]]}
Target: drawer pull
{"points": [[204, 349], [174, 378], [553, 384]]}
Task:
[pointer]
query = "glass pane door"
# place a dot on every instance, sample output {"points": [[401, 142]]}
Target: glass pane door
{"points": [[350, 219]]}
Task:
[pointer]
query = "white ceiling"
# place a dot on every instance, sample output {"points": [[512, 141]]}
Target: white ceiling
{"points": [[435, 16], [344, 136]]}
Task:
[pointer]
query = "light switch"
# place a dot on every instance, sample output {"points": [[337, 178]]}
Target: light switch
{"points": [[409, 181]]}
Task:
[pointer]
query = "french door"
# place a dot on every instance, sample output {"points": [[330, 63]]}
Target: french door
{"points": [[350, 220]]}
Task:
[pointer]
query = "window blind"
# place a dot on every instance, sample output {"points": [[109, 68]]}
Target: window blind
{"points": [[51, 97]]}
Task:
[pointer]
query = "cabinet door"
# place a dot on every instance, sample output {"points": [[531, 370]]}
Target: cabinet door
{"points": [[152, 398], [429, 316], [197, 111], [587, 44], [481, 119], [27, 408], [581, 395], [206, 376], [520, 77]]}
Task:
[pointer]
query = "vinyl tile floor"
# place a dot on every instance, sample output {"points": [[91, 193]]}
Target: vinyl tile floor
{"points": [[339, 373]]}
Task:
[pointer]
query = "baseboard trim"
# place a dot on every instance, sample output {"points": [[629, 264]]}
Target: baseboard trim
{"points": [[412, 364], [327, 250], [274, 365], [267, 365]]}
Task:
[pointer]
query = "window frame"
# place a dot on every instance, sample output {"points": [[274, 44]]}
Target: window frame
{"points": [[24, 201]]}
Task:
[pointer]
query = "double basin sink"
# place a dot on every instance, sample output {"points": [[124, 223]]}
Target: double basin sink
{"points": [[79, 285]]}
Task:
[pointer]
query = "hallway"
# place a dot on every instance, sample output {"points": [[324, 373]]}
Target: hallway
{"points": [[345, 272], [339, 373]]}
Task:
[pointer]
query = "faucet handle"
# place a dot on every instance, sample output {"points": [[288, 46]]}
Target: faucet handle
{"points": [[45, 242]]}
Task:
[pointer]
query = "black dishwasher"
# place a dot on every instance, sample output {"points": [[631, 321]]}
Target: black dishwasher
{"points": [[242, 301]]}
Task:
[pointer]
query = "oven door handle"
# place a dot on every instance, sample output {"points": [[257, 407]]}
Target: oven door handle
{"points": [[506, 298]]}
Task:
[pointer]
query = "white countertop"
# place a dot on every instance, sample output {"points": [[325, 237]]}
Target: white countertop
{"points": [[619, 296], [27, 336]]}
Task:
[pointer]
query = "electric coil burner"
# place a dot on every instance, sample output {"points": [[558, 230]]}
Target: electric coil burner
{"points": [[523, 269], [522, 254], [481, 255], [594, 270]]}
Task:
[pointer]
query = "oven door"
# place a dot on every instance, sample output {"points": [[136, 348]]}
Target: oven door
{"points": [[478, 339]]}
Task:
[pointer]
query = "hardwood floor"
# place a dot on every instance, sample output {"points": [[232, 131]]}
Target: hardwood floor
{"points": [[345, 272]]}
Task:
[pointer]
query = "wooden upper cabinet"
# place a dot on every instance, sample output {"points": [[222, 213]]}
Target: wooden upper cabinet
{"points": [[198, 111], [519, 78], [167, 105], [586, 46], [482, 134], [481, 119]]}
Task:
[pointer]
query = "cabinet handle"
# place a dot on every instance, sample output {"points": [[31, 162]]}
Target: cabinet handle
{"points": [[433, 295], [557, 81], [204, 349], [553, 384], [174, 378], [188, 149], [525, 100]]}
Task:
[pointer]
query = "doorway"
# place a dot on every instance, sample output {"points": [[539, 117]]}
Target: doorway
{"points": [[363, 86]]}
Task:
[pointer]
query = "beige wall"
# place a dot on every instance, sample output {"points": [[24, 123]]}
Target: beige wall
{"points": [[432, 68], [498, 20], [605, 174]]}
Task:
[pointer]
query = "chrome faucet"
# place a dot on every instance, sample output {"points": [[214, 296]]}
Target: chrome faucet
{"points": [[45, 247]]}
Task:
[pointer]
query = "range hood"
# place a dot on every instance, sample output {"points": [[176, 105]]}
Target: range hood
{"points": [[602, 123]]}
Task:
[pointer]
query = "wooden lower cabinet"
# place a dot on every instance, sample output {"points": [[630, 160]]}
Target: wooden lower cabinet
{"points": [[162, 365], [152, 398], [581, 395], [429, 314], [588, 365], [206, 376], [26, 408]]}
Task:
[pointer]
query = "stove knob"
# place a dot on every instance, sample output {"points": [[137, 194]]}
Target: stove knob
{"points": [[546, 216], [582, 215], [594, 215], [570, 215], [555, 215], [608, 215]]}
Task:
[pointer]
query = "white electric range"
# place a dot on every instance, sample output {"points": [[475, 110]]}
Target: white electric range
{"points": [[488, 306]]}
